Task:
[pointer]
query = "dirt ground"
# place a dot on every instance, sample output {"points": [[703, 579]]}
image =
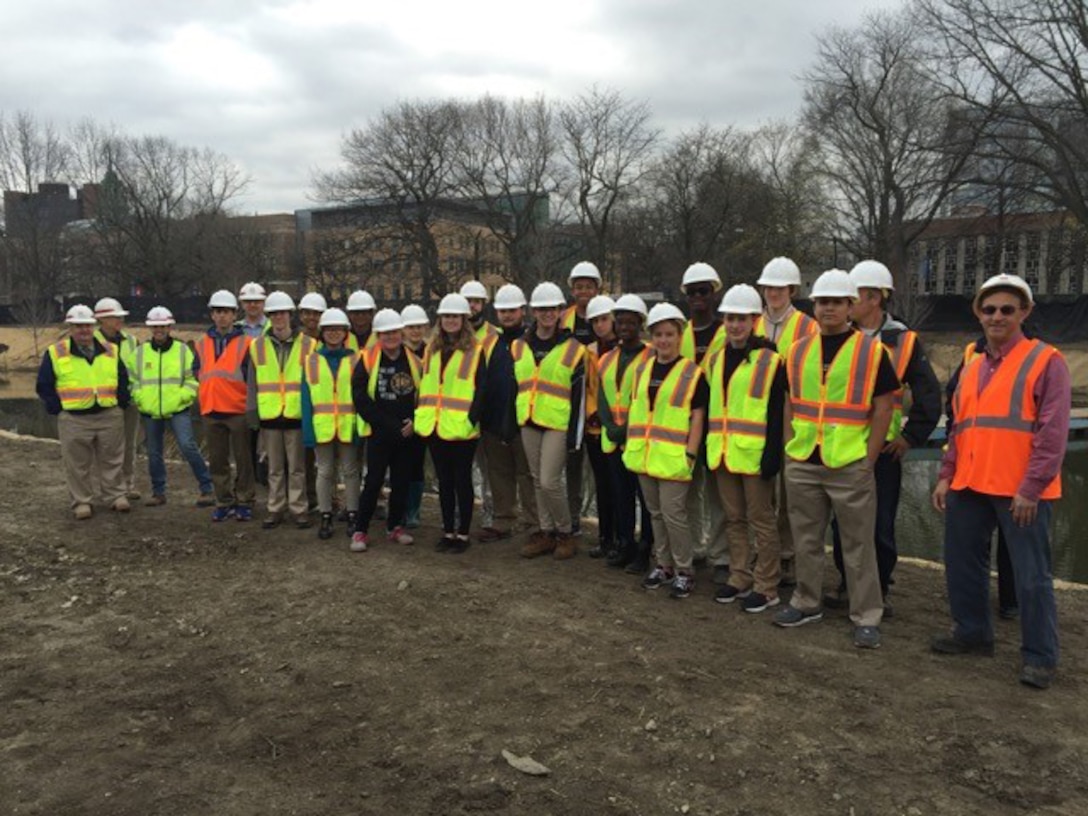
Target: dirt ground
{"points": [[157, 664]]}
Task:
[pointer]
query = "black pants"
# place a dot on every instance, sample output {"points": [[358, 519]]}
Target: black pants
{"points": [[453, 465], [385, 453], [575, 462], [602, 477], [888, 473], [1006, 581], [417, 452], [625, 492]]}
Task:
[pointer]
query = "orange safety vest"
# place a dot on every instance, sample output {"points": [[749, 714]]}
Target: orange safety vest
{"points": [[222, 386], [900, 355], [994, 430]]}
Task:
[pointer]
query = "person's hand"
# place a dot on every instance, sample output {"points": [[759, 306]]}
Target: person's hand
{"points": [[940, 495], [897, 448], [1023, 510], [407, 429]]}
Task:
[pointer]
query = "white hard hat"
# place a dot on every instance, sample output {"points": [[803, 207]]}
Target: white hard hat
{"points": [[454, 304], [741, 299], [109, 307], [314, 302], [701, 273], [80, 315], [630, 303], [600, 305], [159, 316], [361, 301], [547, 295], [413, 315], [279, 302], [387, 320], [223, 299], [474, 289], [664, 311], [1005, 281], [251, 291], [334, 318], [872, 275], [509, 296], [780, 272], [834, 283], [585, 269]]}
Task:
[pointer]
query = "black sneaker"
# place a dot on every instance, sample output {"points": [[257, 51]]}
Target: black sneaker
{"points": [[444, 544], [353, 517], [791, 616], [757, 602], [457, 545], [602, 549], [682, 585], [952, 645], [729, 593], [657, 578], [324, 532]]}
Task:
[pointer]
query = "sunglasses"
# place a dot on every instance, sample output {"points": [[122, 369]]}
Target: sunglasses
{"points": [[699, 291], [1006, 310]]}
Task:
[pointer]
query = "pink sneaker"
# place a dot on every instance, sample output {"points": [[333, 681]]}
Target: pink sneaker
{"points": [[359, 542], [398, 536]]}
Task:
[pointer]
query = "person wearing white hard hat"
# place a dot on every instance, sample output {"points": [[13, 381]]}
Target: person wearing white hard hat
{"points": [[384, 389], [310, 309], [616, 372], [665, 425], [1002, 468], [744, 450], [274, 405], [416, 324], [476, 294], [222, 366], [164, 388], [361, 308], [507, 466], [549, 366], [870, 315], [487, 334], [841, 387], [599, 314], [452, 393], [253, 322], [585, 284], [111, 328], [85, 384], [330, 426]]}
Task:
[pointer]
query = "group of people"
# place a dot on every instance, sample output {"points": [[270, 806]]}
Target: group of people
{"points": [[738, 434]]}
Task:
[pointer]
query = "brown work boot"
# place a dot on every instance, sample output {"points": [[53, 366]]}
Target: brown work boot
{"points": [[539, 543], [566, 546]]}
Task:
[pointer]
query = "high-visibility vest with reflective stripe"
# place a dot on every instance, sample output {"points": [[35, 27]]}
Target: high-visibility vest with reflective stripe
{"points": [[162, 382], [617, 391], [797, 325], [657, 435], [353, 342], [687, 342], [544, 391], [593, 385], [279, 389], [486, 330], [900, 355], [333, 414], [737, 418], [127, 346], [568, 319], [80, 384], [489, 341], [994, 430], [222, 386], [445, 395], [832, 411], [371, 359]]}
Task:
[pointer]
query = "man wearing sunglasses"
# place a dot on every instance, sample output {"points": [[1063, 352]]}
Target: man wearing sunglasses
{"points": [[1002, 469]]}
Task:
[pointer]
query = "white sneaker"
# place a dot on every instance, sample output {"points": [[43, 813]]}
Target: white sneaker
{"points": [[358, 542], [398, 536]]}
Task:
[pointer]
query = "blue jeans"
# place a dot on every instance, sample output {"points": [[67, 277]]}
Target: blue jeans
{"points": [[970, 519], [182, 426]]}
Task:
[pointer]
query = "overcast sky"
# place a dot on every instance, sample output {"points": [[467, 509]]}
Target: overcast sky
{"points": [[274, 84]]}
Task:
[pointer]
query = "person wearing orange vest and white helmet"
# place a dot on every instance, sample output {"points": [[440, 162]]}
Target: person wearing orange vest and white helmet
{"points": [[1002, 468], [274, 404], [361, 308], [783, 324], [841, 387], [111, 328], [222, 367], [84, 383]]}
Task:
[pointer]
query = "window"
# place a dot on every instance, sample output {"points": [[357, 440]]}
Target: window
{"points": [[1032, 259], [951, 248], [1010, 255], [970, 266]]}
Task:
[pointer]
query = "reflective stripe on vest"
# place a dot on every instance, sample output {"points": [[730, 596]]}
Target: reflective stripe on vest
{"points": [[279, 390], [544, 391], [618, 394], [832, 411], [222, 386], [333, 415], [994, 430], [900, 355], [657, 435], [797, 326], [81, 384], [162, 382], [445, 395], [737, 418]]}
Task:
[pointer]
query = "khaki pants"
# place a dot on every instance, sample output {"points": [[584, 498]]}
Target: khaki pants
{"points": [[511, 480], [224, 436], [132, 441], [546, 452], [749, 511], [706, 518], [667, 501], [815, 492], [286, 470], [92, 448], [327, 455]]}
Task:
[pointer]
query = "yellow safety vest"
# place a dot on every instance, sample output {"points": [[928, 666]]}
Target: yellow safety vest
{"points": [[445, 395], [798, 325], [657, 435], [279, 389], [737, 423], [334, 414], [162, 383], [544, 391], [832, 411], [900, 355], [618, 393], [353, 342], [687, 343], [127, 346], [370, 359], [82, 385]]}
